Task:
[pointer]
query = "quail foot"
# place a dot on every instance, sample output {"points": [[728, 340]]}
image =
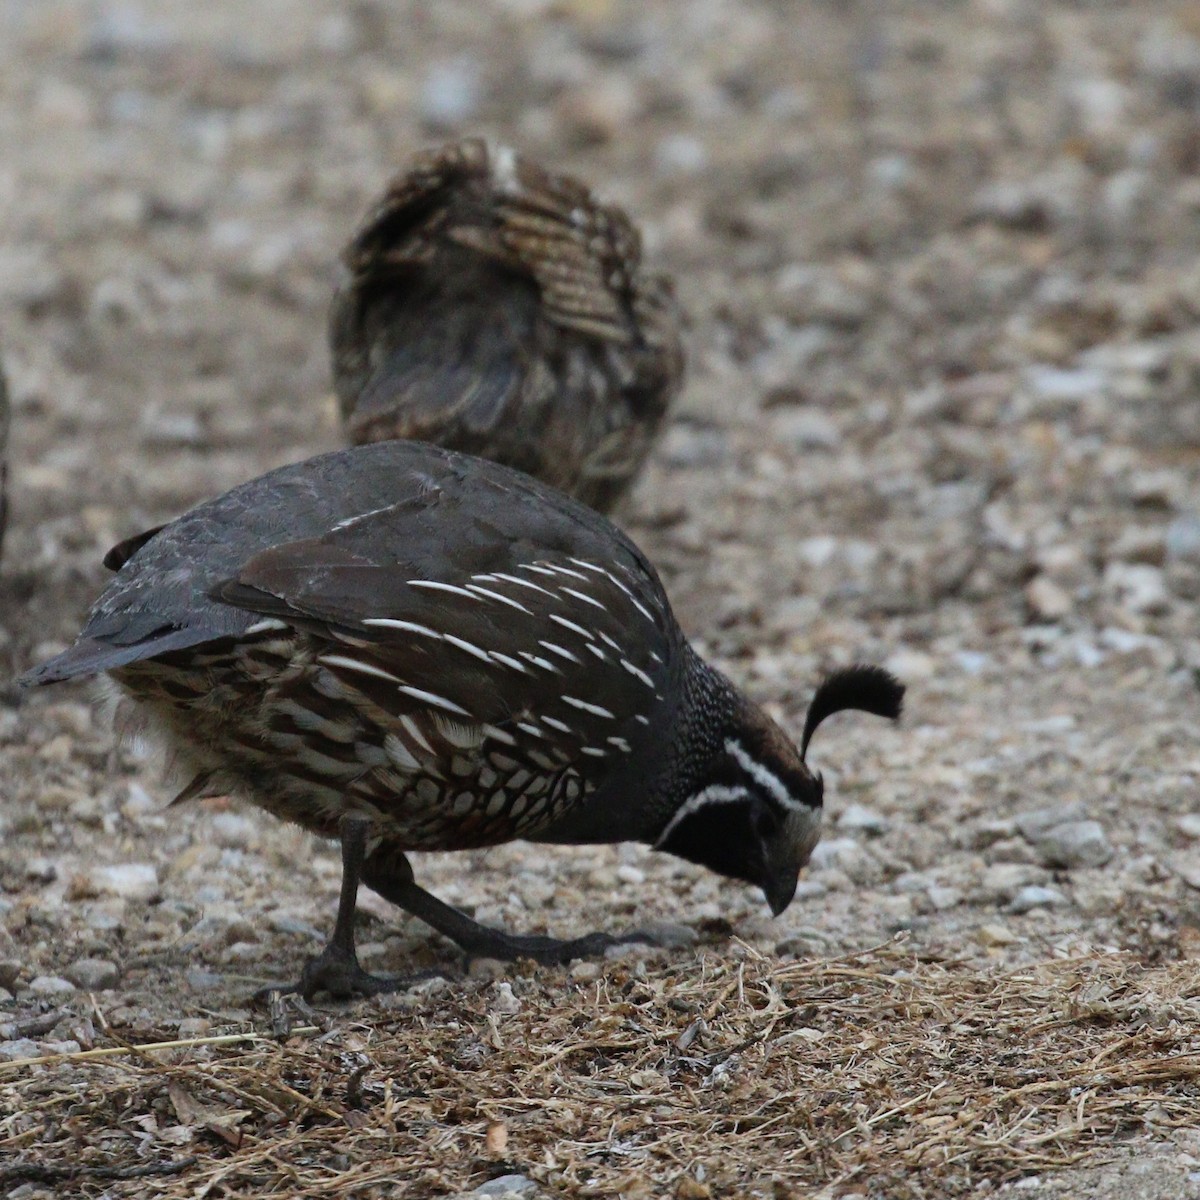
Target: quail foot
{"points": [[412, 649], [490, 306]]}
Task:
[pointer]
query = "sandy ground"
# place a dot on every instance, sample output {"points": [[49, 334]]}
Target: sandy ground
{"points": [[941, 267]]}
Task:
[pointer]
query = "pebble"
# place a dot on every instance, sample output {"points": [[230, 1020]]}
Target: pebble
{"points": [[93, 974], [51, 985], [487, 968], [1001, 881], [943, 898], [10, 972], [1182, 539], [233, 830], [20, 1048], [503, 1001], [585, 971], [1036, 821], [450, 93], [1138, 587], [194, 1027], [1188, 825], [857, 818], [1054, 386], [1029, 898], [506, 1185], [995, 935], [1047, 601], [670, 936], [131, 881], [1074, 844]]}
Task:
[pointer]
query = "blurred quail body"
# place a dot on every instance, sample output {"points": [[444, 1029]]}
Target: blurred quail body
{"points": [[495, 308], [4, 422], [413, 649]]}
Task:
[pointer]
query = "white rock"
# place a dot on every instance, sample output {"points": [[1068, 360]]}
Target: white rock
{"points": [[503, 1001], [51, 985], [1183, 538], [1138, 587], [20, 1048], [1189, 826], [1051, 386], [93, 974], [1074, 844], [1029, 898], [450, 92], [1035, 822], [835, 854], [506, 1185], [857, 818], [1047, 600], [131, 881]]}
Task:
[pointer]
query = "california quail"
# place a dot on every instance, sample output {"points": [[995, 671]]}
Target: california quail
{"points": [[492, 307], [413, 649]]}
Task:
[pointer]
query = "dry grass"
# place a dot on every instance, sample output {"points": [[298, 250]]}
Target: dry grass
{"points": [[727, 1074]]}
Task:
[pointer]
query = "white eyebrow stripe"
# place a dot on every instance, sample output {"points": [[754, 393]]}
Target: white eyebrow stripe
{"points": [[561, 651], [555, 723], [434, 699], [414, 731], [579, 629], [402, 626], [638, 673], [714, 794], [584, 706], [525, 583], [469, 647], [761, 775], [538, 661], [584, 597], [482, 591], [437, 586], [354, 664], [267, 625], [509, 662]]}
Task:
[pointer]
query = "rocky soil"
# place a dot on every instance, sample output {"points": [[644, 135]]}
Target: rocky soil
{"points": [[942, 266]]}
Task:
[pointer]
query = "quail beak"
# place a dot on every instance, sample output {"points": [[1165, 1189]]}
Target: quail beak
{"points": [[780, 890]]}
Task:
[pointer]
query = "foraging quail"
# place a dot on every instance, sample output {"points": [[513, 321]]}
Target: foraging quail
{"points": [[413, 649], [494, 308]]}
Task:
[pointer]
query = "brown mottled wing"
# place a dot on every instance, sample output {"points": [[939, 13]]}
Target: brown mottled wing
{"points": [[493, 307]]}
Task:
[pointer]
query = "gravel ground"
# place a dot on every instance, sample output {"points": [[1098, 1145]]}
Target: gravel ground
{"points": [[941, 265]]}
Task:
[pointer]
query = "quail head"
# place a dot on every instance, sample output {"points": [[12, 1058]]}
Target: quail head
{"points": [[412, 649], [491, 307]]}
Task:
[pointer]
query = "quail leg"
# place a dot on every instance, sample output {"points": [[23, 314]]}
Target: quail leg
{"points": [[336, 969], [389, 873]]}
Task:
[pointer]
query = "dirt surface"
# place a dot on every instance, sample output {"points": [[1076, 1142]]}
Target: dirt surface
{"points": [[942, 267]]}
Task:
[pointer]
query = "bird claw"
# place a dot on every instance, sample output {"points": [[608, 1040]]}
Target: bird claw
{"points": [[342, 977]]}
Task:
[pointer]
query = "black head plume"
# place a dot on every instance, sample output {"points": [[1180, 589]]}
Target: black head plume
{"points": [[864, 688]]}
